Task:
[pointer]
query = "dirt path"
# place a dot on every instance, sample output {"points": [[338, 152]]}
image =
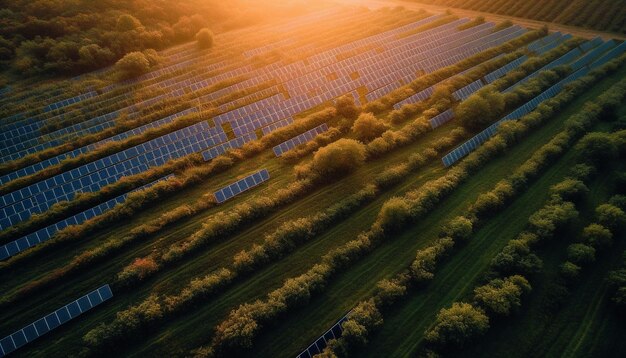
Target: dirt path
{"points": [[534, 24]]}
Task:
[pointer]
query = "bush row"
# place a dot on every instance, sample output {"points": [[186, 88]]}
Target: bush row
{"points": [[460, 228]]}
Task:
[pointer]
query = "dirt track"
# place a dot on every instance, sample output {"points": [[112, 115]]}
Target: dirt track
{"points": [[576, 31]]}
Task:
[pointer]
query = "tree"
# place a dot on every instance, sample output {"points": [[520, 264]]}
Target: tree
{"points": [[459, 228], [457, 325], [617, 280], [133, 64], [611, 216], [516, 257], [204, 38], [570, 270], [481, 108], [501, 296], [394, 214], [367, 127], [570, 189], [338, 158], [581, 254], [127, 22], [597, 235], [94, 56], [597, 148], [346, 108]]}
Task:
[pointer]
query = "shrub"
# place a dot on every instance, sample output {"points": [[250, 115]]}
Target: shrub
{"points": [[346, 108], [388, 291], [617, 281], [597, 236], [367, 127], [619, 201], [583, 172], [481, 108], [611, 216], [204, 38], [127, 22], [570, 271], [516, 257], [338, 158], [597, 148], [394, 214], [133, 64], [459, 228], [139, 269], [570, 189], [457, 325], [581, 254], [423, 267], [500, 296]]}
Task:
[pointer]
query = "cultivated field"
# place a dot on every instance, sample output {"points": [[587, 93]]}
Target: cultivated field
{"points": [[343, 181]]}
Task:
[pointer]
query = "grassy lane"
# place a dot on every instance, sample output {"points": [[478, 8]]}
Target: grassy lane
{"points": [[292, 334]]}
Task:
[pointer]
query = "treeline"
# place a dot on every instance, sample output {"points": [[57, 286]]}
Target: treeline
{"points": [[68, 37], [606, 15]]}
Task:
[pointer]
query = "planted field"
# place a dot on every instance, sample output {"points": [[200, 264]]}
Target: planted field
{"points": [[338, 181]]}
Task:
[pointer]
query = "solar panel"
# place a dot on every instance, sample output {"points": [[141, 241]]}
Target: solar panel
{"points": [[241, 185], [62, 315], [299, 139], [441, 118], [318, 346]]}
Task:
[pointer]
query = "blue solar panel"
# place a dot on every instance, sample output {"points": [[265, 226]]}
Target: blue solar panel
{"points": [[333, 333], [300, 139], [241, 185], [42, 326]]}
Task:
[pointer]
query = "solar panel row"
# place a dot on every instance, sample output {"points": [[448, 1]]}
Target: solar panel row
{"points": [[592, 55], [70, 101], [320, 344], [568, 57], [464, 93], [537, 44], [276, 125], [299, 139], [469, 146], [441, 118], [500, 72], [46, 324], [242, 185], [231, 144], [88, 148], [552, 45], [39, 197], [42, 235], [618, 51]]}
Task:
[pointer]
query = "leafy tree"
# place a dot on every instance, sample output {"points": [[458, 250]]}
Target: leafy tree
{"points": [[394, 214], [127, 22], [133, 64], [457, 325], [481, 108], [459, 228], [367, 127], [597, 235], [500, 296], [338, 158], [611, 216], [570, 189], [346, 108], [516, 257], [597, 148], [581, 254], [617, 280], [570, 270], [204, 38]]}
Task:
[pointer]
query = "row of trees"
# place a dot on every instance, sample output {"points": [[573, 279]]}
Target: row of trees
{"points": [[603, 15], [500, 295]]}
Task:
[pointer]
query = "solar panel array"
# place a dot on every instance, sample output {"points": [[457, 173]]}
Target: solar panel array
{"points": [[19, 205], [70, 101], [242, 185], [88, 148], [299, 139], [537, 44], [441, 118], [565, 59], [592, 55], [464, 93], [469, 146], [618, 51], [552, 45], [500, 72], [61, 316], [276, 125], [15, 247], [320, 344]]}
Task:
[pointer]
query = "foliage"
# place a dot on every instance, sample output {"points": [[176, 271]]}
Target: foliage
{"points": [[367, 127], [501, 296], [481, 108], [336, 159], [133, 64], [597, 236], [611, 217], [205, 38], [581, 254], [457, 325]]}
